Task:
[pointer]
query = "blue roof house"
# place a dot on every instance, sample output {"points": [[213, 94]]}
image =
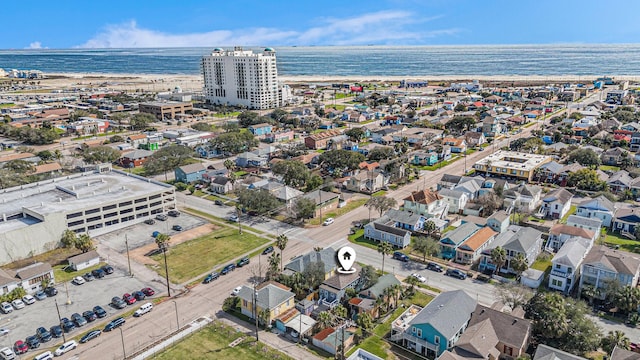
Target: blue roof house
{"points": [[260, 129], [454, 238], [190, 173], [439, 325]]}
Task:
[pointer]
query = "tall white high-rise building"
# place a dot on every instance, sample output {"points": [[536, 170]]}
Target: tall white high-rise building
{"points": [[242, 77]]}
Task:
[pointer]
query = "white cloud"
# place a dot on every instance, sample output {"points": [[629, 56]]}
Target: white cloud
{"points": [[35, 45], [384, 27]]}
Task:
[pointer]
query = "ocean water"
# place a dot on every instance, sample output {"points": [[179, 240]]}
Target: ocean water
{"points": [[574, 59]]}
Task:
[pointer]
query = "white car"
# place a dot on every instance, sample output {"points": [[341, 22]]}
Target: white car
{"points": [[236, 291], [4, 331], [6, 307], [78, 280], [328, 221], [419, 277], [233, 218], [28, 299], [7, 353], [68, 346], [18, 304], [143, 309]]}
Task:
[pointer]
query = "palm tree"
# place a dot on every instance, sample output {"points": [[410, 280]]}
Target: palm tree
{"points": [[613, 339], [590, 292], [627, 299], [274, 265], [339, 311], [429, 227], [325, 319], [397, 291], [384, 248], [387, 293], [498, 257], [263, 316], [412, 281], [519, 264], [378, 303], [365, 322], [229, 165], [162, 240], [281, 243]]}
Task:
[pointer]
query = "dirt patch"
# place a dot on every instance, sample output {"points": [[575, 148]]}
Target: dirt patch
{"points": [[139, 255]]}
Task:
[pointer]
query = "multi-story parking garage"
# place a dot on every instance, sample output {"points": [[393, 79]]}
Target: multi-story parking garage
{"points": [[33, 217]]}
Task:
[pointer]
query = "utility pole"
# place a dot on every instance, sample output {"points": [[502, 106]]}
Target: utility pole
{"points": [[64, 338], [255, 306], [126, 243], [166, 269]]}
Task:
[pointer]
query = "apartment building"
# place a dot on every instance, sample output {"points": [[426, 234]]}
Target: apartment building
{"points": [[511, 164], [165, 110]]}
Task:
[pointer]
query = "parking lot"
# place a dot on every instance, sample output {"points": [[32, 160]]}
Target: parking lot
{"points": [[140, 234], [24, 322]]}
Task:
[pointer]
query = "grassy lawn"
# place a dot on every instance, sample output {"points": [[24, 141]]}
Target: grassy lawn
{"points": [[358, 238], [212, 342], [220, 221], [543, 262], [626, 244], [572, 210], [6, 105], [379, 193], [530, 124], [240, 173], [230, 115], [441, 164], [609, 168], [354, 204], [195, 257], [448, 228], [62, 275], [136, 170], [339, 107]]}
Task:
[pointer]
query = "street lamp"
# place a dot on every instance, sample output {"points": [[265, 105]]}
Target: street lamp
{"points": [[177, 318], [255, 306]]}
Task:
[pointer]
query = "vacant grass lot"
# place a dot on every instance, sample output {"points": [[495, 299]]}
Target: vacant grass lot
{"points": [[353, 204], [195, 257], [213, 341], [615, 239]]}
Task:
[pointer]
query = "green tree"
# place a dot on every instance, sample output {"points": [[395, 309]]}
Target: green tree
{"points": [[20, 166], [313, 183], [68, 239], [100, 154], [325, 320], [201, 126], [429, 227], [116, 139], [281, 243], [426, 246], [162, 240], [294, 173], [45, 155], [274, 265], [460, 123], [339, 161], [586, 179], [519, 264], [141, 121], [627, 299], [260, 200], [315, 274], [166, 159], [498, 257], [412, 281], [84, 243], [339, 311], [513, 294], [365, 322], [229, 165], [584, 157], [355, 134], [306, 208], [379, 153], [385, 249], [368, 276], [234, 142], [626, 161], [247, 118], [460, 108], [590, 292], [615, 339]]}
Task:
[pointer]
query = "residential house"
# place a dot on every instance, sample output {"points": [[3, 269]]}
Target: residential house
{"points": [[523, 197], [293, 321], [332, 290], [545, 352], [360, 306], [366, 182], [428, 203], [614, 156], [329, 339], [30, 278], [600, 207], [454, 238], [206, 151], [137, 139], [424, 158], [320, 140], [491, 127], [470, 250], [394, 227], [603, 265], [300, 263], [221, 185], [474, 138], [251, 159], [377, 290], [511, 164], [457, 200], [516, 240], [556, 203], [285, 193], [470, 186], [493, 185], [272, 298], [448, 181], [591, 224], [135, 158], [626, 220], [325, 201], [279, 136], [190, 173], [499, 221], [619, 181], [458, 145], [560, 233], [84, 260], [437, 327], [260, 131], [565, 265]]}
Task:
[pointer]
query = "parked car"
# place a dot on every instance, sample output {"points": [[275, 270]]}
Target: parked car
{"points": [[232, 218], [118, 303], [419, 277], [162, 217], [236, 291], [108, 269], [66, 347], [227, 269], [7, 354], [129, 299], [145, 308], [20, 347], [139, 295], [78, 280], [40, 295], [177, 227], [43, 334], [434, 267], [90, 336], [4, 331], [267, 250], [33, 342], [98, 273], [148, 291], [242, 262], [459, 274], [67, 325], [6, 307], [88, 277], [114, 324], [218, 202], [17, 304], [90, 315], [99, 311], [209, 278], [78, 320], [328, 221], [55, 331], [400, 256], [149, 221], [51, 291], [174, 213], [28, 299]]}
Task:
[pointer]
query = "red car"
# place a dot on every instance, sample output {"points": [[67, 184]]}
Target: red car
{"points": [[129, 299], [148, 291], [20, 347]]}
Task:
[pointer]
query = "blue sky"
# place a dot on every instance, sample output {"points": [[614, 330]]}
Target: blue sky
{"points": [[188, 23]]}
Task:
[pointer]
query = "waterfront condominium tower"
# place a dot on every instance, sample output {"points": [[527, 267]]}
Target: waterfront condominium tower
{"points": [[243, 78]]}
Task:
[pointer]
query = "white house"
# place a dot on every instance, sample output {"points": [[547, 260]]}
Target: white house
{"points": [[592, 224], [523, 197], [566, 264], [600, 207], [457, 199], [30, 278], [428, 203], [84, 260], [560, 233], [556, 203]]}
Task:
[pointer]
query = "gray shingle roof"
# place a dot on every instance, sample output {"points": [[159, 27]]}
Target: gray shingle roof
{"points": [[383, 282], [461, 233], [269, 296], [192, 168], [584, 221], [509, 329], [620, 176], [327, 256], [619, 261], [545, 352], [405, 217], [523, 240], [560, 194], [619, 353], [553, 167], [600, 202], [453, 194], [572, 252], [447, 313]]}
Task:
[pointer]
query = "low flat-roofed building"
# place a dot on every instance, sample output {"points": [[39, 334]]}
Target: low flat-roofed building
{"points": [[34, 216], [511, 164], [165, 110]]}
